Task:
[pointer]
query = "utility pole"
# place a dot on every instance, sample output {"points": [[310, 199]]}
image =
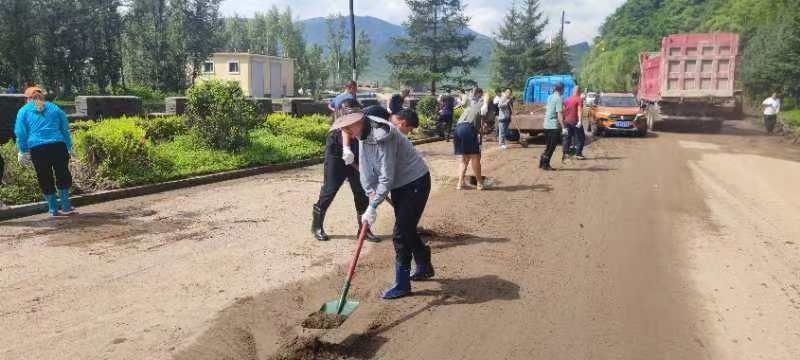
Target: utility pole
{"points": [[353, 54], [561, 35]]}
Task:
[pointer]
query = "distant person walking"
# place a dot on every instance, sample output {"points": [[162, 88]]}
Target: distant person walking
{"points": [[503, 102], [43, 139], [389, 163], [573, 122], [553, 125], [772, 107], [444, 122], [397, 100], [467, 139], [350, 91]]}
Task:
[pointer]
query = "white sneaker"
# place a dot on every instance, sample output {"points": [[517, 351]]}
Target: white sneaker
{"points": [[503, 147]]}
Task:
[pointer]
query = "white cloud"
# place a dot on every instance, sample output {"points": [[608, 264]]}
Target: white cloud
{"points": [[585, 16]]}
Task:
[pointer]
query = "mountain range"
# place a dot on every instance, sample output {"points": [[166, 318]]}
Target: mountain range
{"points": [[382, 32]]}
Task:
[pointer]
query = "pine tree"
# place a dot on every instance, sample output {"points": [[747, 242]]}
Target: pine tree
{"points": [[435, 48], [236, 36], [519, 51]]}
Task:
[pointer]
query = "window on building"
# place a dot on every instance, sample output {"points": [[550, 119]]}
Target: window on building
{"points": [[208, 67], [233, 67]]}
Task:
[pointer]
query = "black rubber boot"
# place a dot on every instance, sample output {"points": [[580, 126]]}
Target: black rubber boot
{"points": [[424, 269], [546, 164], [370, 236], [317, 224]]}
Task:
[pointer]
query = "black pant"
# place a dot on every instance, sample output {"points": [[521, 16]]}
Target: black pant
{"points": [[48, 159], [552, 137], [336, 172], [769, 122], [409, 204], [444, 125], [579, 135]]}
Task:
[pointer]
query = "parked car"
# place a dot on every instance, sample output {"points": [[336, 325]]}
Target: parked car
{"points": [[619, 113]]}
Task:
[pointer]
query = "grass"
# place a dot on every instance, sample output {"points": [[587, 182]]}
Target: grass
{"points": [[792, 118]]}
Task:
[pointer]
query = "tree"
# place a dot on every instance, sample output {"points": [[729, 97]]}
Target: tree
{"points": [[556, 58], [337, 62], [201, 32], [235, 35], [316, 69], [519, 51], [63, 27], [363, 54], [17, 47], [105, 44], [771, 61], [435, 48], [264, 32], [145, 43]]}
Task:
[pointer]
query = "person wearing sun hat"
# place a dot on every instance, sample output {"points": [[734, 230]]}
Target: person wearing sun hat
{"points": [[389, 163], [43, 141]]}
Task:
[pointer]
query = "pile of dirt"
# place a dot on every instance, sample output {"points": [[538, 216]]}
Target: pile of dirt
{"points": [[321, 320], [310, 348]]}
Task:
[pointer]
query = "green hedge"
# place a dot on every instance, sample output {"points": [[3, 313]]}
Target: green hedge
{"points": [[133, 151], [792, 118]]}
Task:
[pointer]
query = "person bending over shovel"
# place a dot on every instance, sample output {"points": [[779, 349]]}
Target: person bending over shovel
{"points": [[389, 163]]}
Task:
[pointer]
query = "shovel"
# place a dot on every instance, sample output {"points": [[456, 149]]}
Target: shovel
{"points": [[342, 307]]}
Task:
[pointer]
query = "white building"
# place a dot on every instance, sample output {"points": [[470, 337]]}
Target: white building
{"points": [[258, 75]]}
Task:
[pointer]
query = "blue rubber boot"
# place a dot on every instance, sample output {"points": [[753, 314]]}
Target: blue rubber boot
{"points": [[424, 269], [402, 283], [66, 206], [52, 204]]}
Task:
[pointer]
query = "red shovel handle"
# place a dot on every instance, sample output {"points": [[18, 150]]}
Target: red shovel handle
{"points": [[361, 236]]}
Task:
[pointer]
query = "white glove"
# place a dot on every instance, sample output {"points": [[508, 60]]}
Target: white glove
{"points": [[25, 159], [580, 124], [72, 154], [564, 132], [348, 156], [370, 217]]}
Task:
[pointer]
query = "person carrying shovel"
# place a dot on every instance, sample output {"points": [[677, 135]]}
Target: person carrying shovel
{"points": [[389, 163]]}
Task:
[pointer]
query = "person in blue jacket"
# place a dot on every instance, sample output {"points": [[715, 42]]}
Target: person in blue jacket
{"points": [[43, 140]]}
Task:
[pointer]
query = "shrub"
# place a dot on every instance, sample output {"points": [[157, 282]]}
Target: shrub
{"points": [[269, 148], [145, 93], [427, 106], [187, 156], [220, 115], [119, 152], [314, 128], [792, 118], [20, 182], [163, 128]]}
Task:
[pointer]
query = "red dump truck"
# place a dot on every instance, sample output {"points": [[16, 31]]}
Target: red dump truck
{"points": [[690, 84]]}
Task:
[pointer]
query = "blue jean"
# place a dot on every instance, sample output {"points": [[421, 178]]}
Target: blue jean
{"points": [[580, 139], [502, 131]]}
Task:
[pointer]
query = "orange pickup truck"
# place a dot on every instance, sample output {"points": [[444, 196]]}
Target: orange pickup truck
{"points": [[619, 113]]}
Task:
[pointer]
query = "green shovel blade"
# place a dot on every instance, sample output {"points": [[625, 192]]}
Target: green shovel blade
{"points": [[332, 307]]}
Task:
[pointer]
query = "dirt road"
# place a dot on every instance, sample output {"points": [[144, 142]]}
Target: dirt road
{"points": [[677, 246]]}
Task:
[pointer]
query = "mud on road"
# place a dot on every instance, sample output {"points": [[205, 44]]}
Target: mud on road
{"points": [[674, 246]]}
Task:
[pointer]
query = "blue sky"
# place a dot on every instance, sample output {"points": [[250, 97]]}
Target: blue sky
{"points": [[585, 16]]}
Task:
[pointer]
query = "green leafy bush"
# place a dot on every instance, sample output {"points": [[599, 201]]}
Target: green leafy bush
{"points": [[220, 115], [163, 128], [145, 93], [427, 107], [119, 151], [269, 148], [20, 182], [314, 128], [792, 118]]}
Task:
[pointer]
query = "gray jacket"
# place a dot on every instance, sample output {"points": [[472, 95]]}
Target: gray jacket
{"points": [[387, 161]]}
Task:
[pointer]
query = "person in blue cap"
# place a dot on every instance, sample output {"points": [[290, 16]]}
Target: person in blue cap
{"points": [[43, 140]]}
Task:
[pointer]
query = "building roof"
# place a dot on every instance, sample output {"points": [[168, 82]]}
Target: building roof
{"points": [[250, 55]]}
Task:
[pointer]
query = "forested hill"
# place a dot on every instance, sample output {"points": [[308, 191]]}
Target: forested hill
{"points": [[769, 31]]}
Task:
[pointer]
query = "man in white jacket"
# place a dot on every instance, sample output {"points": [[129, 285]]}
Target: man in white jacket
{"points": [[772, 106]]}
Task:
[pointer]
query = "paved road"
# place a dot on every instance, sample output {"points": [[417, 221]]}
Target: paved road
{"points": [[681, 246]]}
